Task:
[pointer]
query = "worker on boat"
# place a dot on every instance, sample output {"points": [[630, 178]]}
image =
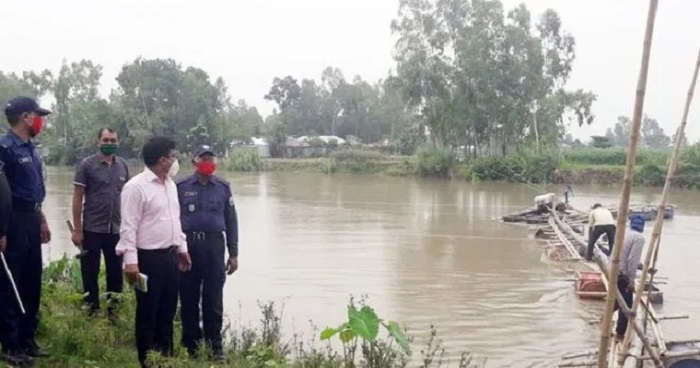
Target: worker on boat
{"points": [[629, 259], [545, 202], [568, 190], [600, 221]]}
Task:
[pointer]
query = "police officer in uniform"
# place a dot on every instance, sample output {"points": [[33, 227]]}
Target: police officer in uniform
{"points": [[27, 230], [207, 212]]}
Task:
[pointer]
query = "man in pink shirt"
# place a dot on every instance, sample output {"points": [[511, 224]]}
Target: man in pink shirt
{"points": [[151, 241]]}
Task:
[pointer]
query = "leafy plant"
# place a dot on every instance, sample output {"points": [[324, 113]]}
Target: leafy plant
{"points": [[364, 324]]}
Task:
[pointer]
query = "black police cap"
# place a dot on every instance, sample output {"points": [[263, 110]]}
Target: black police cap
{"points": [[20, 105]]}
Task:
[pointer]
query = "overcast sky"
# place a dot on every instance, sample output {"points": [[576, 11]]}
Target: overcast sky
{"points": [[248, 43]]}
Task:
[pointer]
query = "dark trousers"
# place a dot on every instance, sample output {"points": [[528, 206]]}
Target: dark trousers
{"points": [[596, 233], [205, 282], [97, 244], [627, 294], [23, 256], [155, 309]]}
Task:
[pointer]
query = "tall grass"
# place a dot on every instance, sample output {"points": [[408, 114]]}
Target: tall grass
{"points": [[243, 160], [615, 156]]}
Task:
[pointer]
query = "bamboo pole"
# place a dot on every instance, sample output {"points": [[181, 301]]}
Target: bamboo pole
{"points": [[658, 224], [623, 207], [631, 319]]}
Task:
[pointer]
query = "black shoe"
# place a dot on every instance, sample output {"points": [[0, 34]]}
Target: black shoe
{"points": [[218, 355], [17, 360], [34, 351]]}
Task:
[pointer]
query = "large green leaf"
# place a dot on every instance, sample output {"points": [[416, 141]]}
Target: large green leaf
{"points": [[347, 335], [396, 332], [328, 333], [364, 322]]}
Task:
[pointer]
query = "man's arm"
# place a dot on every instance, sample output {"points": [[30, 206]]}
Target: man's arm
{"points": [[131, 211], [634, 258], [79, 185], [590, 219], [78, 194], [175, 197], [231, 220], [5, 203]]}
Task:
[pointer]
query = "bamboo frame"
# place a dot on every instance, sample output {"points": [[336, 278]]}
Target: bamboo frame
{"points": [[632, 321], [658, 224], [623, 207]]}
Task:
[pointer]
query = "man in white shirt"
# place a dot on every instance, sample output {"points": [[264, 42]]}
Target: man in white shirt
{"points": [[151, 241], [600, 221]]}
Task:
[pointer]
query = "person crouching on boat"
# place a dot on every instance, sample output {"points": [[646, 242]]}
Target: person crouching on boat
{"points": [[600, 222], [629, 258], [545, 202]]}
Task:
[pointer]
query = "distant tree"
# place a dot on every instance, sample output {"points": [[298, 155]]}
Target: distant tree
{"points": [[600, 141]]}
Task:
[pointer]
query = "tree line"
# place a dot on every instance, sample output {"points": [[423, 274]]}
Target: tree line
{"points": [[470, 75]]}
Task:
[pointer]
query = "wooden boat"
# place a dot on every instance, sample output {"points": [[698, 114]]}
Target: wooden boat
{"points": [[534, 216], [647, 211], [528, 216], [591, 286]]}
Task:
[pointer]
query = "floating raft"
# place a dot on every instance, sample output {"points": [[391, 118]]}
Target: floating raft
{"points": [[647, 211], [534, 216], [565, 242]]}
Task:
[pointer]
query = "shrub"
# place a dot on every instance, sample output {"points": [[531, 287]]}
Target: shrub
{"points": [[356, 155], [243, 160], [434, 162]]}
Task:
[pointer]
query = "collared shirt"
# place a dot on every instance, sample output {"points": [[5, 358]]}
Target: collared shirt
{"points": [[209, 207], [150, 216], [103, 182], [631, 254], [23, 168], [600, 216]]}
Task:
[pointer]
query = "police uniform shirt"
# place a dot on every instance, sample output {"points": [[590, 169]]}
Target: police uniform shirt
{"points": [[23, 168], [208, 208]]}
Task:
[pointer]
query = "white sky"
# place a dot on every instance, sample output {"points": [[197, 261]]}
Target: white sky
{"points": [[249, 43]]}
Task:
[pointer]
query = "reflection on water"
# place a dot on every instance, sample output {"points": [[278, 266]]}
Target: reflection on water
{"points": [[424, 252]]}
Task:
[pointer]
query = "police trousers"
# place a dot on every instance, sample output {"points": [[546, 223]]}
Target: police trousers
{"points": [[97, 244], [155, 309], [205, 283], [23, 256]]}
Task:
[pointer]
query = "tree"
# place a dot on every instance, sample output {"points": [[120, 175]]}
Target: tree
{"points": [[653, 135], [599, 141], [482, 77]]}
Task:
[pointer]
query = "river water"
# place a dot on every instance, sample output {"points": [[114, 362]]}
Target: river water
{"points": [[423, 252]]}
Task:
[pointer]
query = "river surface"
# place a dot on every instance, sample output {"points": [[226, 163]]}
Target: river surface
{"points": [[423, 252]]}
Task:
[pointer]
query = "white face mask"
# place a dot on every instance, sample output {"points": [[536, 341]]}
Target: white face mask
{"points": [[174, 168]]}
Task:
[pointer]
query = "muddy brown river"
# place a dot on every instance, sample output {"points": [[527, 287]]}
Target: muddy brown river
{"points": [[423, 252]]}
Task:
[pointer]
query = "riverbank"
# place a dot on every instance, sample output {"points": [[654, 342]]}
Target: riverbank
{"points": [[576, 167], [76, 340]]}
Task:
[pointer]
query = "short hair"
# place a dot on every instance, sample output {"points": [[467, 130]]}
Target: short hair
{"points": [[13, 119], [155, 148], [597, 205], [102, 130]]}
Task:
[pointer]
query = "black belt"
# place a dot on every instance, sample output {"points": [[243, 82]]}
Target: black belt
{"points": [[204, 235], [25, 206], [170, 249]]}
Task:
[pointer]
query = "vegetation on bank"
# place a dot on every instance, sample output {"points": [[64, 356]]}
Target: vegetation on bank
{"points": [[77, 340], [585, 165]]}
